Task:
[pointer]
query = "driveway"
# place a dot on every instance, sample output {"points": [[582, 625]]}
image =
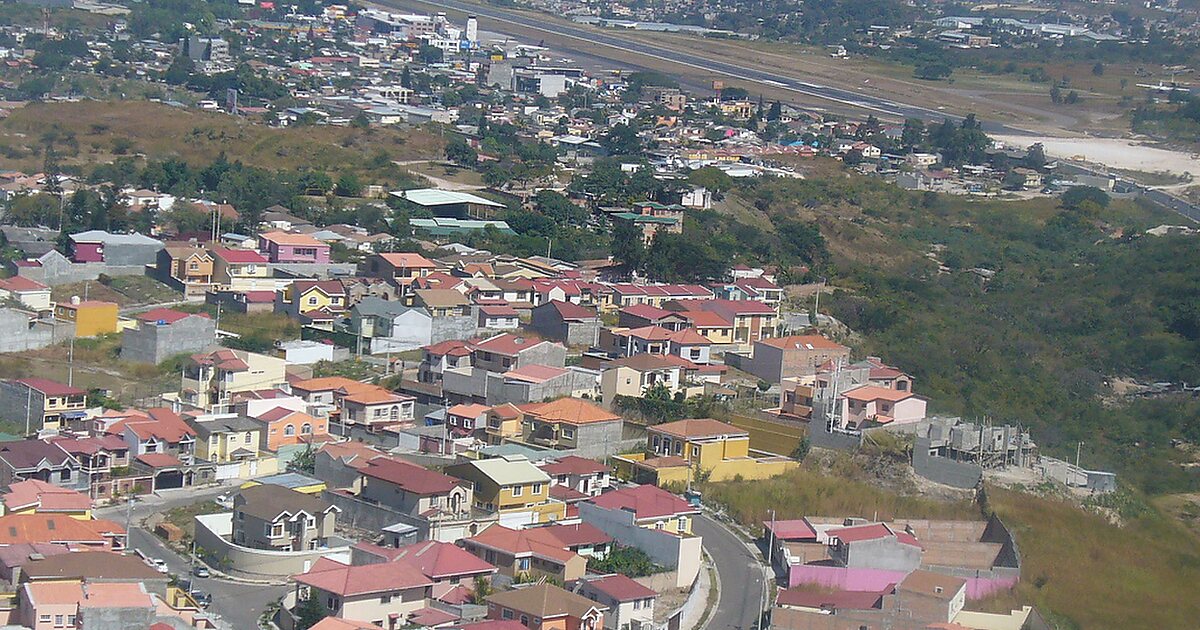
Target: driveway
{"points": [[741, 574]]}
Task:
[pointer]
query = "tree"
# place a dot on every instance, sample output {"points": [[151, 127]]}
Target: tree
{"points": [[1071, 98], [429, 54], [360, 121], [1098, 69], [621, 140], [34, 210], [461, 153], [309, 612], [932, 71], [775, 112], [627, 246], [914, 133], [348, 185], [1078, 195], [1056, 95], [1035, 157], [713, 179], [180, 71], [305, 461], [560, 209], [1013, 180]]}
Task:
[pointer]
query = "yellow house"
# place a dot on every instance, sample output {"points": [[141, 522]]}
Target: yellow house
{"points": [[683, 450], [241, 270], [91, 317], [47, 404], [226, 437], [512, 487], [306, 296], [504, 422], [711, 326], [210, 379]]}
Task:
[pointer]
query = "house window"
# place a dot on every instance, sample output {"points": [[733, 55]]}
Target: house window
{"points": [[682, 524], [522, 564], [385, 599], [568, 433], [506, 614], [660, 525], [193, 266], [58, 621], [331, 603], [516, 491], [525, 620], [305, 429], [312, 522], [695, 451], [289, 429], [537, 489], [247, 438], [43, 618], [312, 301], [678, 447], [637, 604]]}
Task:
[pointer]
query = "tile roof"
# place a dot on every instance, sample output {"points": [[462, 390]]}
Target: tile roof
{"points": [[698, 428], [355, 454], [166, 315], [56, 528], [576, 535], [91, 564], [335, 623], [794, 529], [869, 393], [284, 238], [645, 502], [573, 465], [116, 595], [159, 460], [352, 580], [452, 347], [49, 387], [45, 497], [621, 588], [473, 410], [932, 584], [410, 477], [803, 342], [443, 298], [647, 333], [523, 543], [508, 344], [408, 260], [54, 593], [535, 373], [329, 384], [437, 560], [572, 311], [872, 531], [26, 454], [546, 601], [571, 411], [643, 362], [647, 312], [160, 423], [239, 256], [706, 319], [268, 501], [18, 284], [837, 600]]}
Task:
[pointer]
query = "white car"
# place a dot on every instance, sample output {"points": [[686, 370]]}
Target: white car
{"points": [[224, 500], [159, 565]]}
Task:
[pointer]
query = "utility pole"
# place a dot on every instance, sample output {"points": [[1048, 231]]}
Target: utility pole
{"points": [[71, 362], [1078, 449], [28, 405], [771, 540]]}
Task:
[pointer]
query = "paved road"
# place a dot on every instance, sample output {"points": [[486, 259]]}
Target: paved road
{"points": [[740, 606], [239, 605]]}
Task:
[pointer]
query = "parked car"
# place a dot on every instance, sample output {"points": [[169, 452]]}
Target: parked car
{"points": [[224, 500], [201, 571], [159, 565], [202, 598]]}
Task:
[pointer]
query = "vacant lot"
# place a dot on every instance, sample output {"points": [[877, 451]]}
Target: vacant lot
{"points": [[96, 132]]}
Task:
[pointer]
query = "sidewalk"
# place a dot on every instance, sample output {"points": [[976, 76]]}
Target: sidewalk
{"points": [[695, 609]]}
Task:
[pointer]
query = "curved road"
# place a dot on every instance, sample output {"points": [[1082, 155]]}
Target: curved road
{"points": [[741, 572]]}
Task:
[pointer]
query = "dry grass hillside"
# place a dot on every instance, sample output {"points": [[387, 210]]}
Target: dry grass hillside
{"points": [[102, 131]]}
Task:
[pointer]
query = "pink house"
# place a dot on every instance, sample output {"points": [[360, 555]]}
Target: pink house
{"points": [[881, 405], [50, 605], [282, 247]]}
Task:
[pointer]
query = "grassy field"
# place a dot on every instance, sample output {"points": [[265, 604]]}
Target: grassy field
{"points": [[159, 131], [1089, 573], [804, 492], [124, 290], [1079, 568]]}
